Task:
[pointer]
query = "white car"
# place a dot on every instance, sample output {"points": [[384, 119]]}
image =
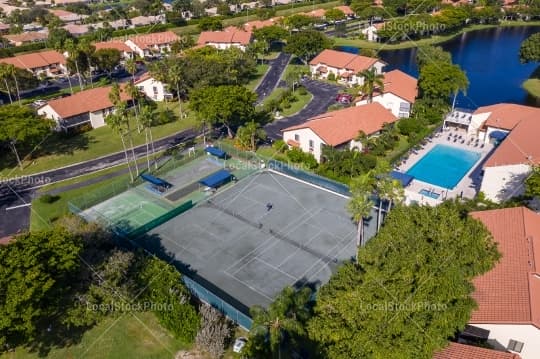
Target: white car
{"points": [[239, 344]]}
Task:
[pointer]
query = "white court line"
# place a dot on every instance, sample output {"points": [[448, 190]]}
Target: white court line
{"points": [[256, 258], [250, 287], [19, 206], [307, 183], [300, 249]]}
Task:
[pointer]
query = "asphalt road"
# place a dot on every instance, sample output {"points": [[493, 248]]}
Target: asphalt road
{"points": [[324, 95], [272, 77]]}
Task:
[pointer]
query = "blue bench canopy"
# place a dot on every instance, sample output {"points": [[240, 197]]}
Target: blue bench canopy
{"points": [[404, 178], [216, 179], [155, 181], [216, 152]]}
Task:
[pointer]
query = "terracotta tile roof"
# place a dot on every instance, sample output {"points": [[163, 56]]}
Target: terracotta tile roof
{"points": [[521, 145], [462, 351], [61, 13], [230, 35], [338, 127], [258, 24], [315, 13], [75, 29], [35, 60], [143, 77], [293, 143], [510, 292], [26, 37], [156, 38], [4, 27], [85, 101], [401, 85], [346, 9], [507, 115], [113, 44], [344, 60]]}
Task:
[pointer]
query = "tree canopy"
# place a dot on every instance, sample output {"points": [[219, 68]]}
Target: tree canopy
{"points": [[306, 44], [440, 80], [230, 106], [530, 49], [410, 290]]}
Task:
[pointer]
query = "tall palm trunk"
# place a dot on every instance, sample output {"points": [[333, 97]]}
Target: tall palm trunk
{"points": [[17, 88], [379, 216], [81, 87], [132, 148], [147, 149], [14, 149], [70, 85], [179, 101], [8, 91], [152, 144], [127, 157]]}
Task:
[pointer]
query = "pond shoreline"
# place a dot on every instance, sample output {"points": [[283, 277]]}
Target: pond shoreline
{"points": [[434, 40]]}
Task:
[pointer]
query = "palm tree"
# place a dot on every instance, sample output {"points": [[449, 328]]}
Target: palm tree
{"points": [[117, 123], [147, 119], [372, 80], [87, 49], [285, 317], [131, 67], [135, 95], [4, 75], [175, 78], [360, 204], [71, 49], [115, 98]]}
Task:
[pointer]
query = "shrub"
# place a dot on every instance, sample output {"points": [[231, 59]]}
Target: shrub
{"points": [[214, 333], [331, 77], [280, 146], [296, 155], [302, 91], [48, 198]]}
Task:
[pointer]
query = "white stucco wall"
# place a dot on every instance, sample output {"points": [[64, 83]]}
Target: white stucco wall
{"points": [[503, 182], [378, 66], [527, 334], [97, 119], [135, 48], [306, 135], [476, 123], [370, 33], [49, 113], [224, 46], [389, 101], [152, 88]]}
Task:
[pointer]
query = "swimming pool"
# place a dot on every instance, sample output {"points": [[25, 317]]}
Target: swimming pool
{"points": [[444, 166]]}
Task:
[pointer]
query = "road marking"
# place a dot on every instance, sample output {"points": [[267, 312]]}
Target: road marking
{"points": [[19, 206]]}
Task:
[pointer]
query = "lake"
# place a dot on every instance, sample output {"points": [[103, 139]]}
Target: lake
{"points": [[490, 59]]}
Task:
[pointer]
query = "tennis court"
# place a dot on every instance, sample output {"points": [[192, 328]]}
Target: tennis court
{"points": [[252, 239]]}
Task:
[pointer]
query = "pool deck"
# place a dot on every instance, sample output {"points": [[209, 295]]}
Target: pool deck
{"points": [[469, 185]]}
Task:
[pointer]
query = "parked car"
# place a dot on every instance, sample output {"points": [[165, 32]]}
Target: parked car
{"points": [[239, 344], [344, 98], [39, 103]]}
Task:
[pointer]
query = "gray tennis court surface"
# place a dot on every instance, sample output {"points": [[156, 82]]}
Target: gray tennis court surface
{"points": [[249, 252]]}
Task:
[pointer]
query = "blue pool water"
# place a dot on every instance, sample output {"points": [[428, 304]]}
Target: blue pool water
{"points": [[444, 166]]}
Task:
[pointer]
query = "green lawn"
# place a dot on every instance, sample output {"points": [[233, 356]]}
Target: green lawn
{"points": [[424, 42], [296, 106], [532, 86], [257, 78], [132, 336], [61, 151]]}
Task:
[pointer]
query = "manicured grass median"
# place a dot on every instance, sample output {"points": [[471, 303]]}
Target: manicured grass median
{"points": [[65, 150], [257, 78], [296, 106], [129, 337], [532, 86]]}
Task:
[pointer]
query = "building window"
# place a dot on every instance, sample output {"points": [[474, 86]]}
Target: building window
{"points": [[297, 137], [311, 145], [155, 90], [515, 346]]}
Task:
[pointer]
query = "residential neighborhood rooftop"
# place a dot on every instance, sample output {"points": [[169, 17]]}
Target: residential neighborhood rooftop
{"points": [[340, 126], [90, 100], [35, 59], [113, 44], [229, 35], [26, 37], [340, 59], [510, 292], [158, 38], [462, 351], [507, 115]]}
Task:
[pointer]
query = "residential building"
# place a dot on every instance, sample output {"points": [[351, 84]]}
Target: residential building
{"points": [[371, 32], [25, 38], [338, 129], [125, 50], [77, 29], [463, 351], [152, 88], [258, 24], [150, 45], [508, 296], [88, 107], [4, 29], [147, 20], [229, 37], [399, 93], [346, 10], [47, 63], [68, 16], [344, 66]]}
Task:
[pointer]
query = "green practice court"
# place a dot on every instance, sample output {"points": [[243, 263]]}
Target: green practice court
{"points": [[251, 239]]}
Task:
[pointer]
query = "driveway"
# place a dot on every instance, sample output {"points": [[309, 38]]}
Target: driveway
{"points": [[272, 77], [324, 95]]}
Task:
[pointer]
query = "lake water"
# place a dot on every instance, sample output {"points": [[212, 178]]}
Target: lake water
{"points": [[490, 58]]}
